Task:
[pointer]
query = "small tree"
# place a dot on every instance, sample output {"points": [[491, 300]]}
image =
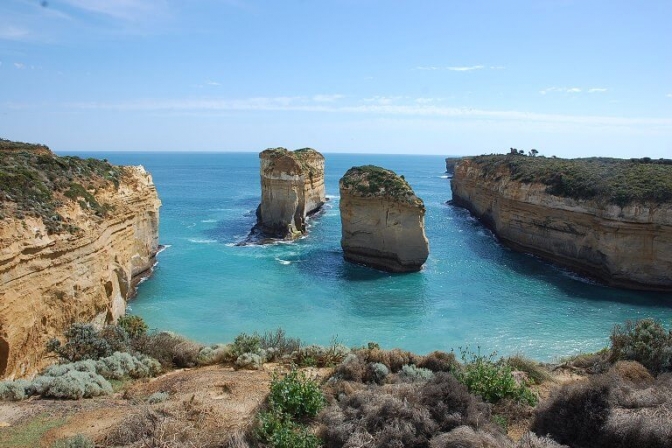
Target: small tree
{"points": [[533, 152]]}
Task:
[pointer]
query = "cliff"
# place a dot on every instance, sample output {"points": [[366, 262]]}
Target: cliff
{"points": [[450, 164], [292, 188], [382, 220], [75, 234], [609, 219]]}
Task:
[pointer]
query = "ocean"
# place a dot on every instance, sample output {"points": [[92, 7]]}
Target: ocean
{"points": [[472, 292]]}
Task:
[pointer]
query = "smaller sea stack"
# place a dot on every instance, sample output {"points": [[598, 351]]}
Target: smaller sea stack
{"points": [[292, 188], [383, 221]]}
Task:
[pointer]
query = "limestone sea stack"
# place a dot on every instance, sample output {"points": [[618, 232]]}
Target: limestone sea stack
{"points": [[610, 219], [382, 220], [292, 188], [75, 235]]}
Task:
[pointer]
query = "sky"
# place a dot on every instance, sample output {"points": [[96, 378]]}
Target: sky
{"points": [[447, 77]]}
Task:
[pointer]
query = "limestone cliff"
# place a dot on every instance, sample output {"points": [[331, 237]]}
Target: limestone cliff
{"points": [[604, 218], [292, 188], [450, 164], [382, 220], [74, 236]]}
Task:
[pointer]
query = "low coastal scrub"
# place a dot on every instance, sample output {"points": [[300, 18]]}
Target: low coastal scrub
{"points": [[616, 181], [371, 180], [35, 182]]}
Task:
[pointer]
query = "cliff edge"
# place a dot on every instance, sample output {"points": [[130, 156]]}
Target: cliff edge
{"points": [[610, 219], [292, 188], [75, 235], [382, 220]]}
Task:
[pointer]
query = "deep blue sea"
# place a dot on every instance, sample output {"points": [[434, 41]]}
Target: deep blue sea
{"points": [[472, 291]]}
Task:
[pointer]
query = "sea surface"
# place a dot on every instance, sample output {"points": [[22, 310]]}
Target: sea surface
{"points": [[472, 292]]}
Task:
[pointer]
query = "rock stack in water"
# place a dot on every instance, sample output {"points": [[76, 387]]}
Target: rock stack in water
{"points": [[292, 188], [383, 221]]}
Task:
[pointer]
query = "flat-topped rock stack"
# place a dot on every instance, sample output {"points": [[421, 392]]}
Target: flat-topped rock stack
{"points": [[382, 220], [292, 188]]}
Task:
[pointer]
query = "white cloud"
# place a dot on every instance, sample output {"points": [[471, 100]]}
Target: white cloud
{"points": [[597, 90], [120, 9], [561, 90], [465, 69], [669, 95], [19, 65], [380, 106], [212, 83], [497, 67], [13, 33], [327, 98]]}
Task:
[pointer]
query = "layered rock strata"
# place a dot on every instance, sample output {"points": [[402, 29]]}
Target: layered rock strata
{"points": [[292, 188], [628, 245], [71, 252], [450, 164], [382, 220]]}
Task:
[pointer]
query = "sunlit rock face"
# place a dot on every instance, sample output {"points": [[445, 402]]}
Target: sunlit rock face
{"points": [[292, 188], [628, 246], [382, 221], [84, 269]]}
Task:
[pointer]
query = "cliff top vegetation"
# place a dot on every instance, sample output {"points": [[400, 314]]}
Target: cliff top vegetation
{"points": [[35, 182], [371, 180], [615, 181], [302, 157]]}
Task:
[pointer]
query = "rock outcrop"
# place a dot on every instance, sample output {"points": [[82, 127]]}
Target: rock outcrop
{"points": [[627, 245], [75, 235], [292, 188], [382, 220], [450, 164]]}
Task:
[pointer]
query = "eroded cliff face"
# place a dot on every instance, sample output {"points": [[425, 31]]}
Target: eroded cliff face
{"points": [[629, 246], [292, 188], [82, 271], [382, 221]]}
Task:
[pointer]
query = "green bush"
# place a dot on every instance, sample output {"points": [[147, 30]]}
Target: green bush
{"points": [[492, 380], [72, 385], [279, 431], [645, 341], [14, 390], [535, 372], [296, 395], [83, 342], [245, 343], [215, 354], [412, 373], [134, 326]]}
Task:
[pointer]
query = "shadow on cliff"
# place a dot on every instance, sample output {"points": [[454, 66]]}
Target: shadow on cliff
{"points": [[485, 244]]}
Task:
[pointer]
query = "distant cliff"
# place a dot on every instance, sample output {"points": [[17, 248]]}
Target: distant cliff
{"points": [[75, 234], [382, 220], [292, 188], [610, 219]]}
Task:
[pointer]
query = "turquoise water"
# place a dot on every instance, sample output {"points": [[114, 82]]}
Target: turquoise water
{"points": [[472, 291]]}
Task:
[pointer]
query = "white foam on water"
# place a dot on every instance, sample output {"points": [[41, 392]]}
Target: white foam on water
{"points": [[201, 240], [209, 220]]}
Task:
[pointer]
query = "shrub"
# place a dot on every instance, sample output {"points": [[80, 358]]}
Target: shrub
{"points": [[134, 326], [72, 385], [158, 397], [83, 341], [377, 372], [352, 368], [245, 343], [279, 431], [534, 371], [14, 390], [165, 348], [124, 365], [575, 414], [492, 380], [412, 373], [450, 403], [296, 395], [644, 341], [279, 342], [467, 437], [76, 441], [318, 356], [531, 440], [185, 354], [215, 354], [394, 359], [249, 361], [440, 362]]}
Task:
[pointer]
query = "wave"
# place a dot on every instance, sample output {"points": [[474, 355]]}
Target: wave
{"points": [[208, 220], [163, 247], [201, 240], [283, 262]]}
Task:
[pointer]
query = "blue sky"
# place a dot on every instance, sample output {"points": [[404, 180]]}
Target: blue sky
{"points": [[569, 78]]}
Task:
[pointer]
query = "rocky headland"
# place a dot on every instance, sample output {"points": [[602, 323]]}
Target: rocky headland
{"points": [[292, 188], [75, 236], [382, 220], [609, 219]]}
